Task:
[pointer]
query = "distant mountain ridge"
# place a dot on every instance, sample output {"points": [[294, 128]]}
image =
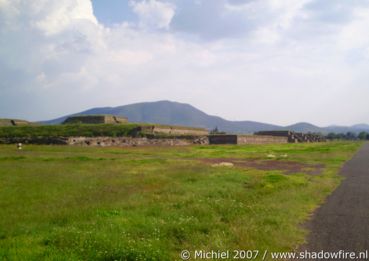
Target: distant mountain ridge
{"points": [[175, 113]]}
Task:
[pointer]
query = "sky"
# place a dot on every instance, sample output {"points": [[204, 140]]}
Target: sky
{"points": [[271, 61]]}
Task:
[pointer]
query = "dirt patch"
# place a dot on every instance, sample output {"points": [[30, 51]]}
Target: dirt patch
{"points": [[287, 167]]}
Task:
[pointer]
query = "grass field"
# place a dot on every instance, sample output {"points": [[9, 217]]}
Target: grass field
{"points": [[149, 203]]}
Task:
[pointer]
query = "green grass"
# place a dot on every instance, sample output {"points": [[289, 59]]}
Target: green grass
{"points": [[149, 203]]}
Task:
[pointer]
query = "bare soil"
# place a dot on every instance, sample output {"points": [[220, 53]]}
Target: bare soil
{"points": [[287, 167]]}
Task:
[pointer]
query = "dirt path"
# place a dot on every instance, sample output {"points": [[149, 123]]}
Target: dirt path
{"points": [[342, 223]]}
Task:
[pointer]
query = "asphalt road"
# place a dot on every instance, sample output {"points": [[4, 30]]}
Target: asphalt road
{"points": [[342, 222]]}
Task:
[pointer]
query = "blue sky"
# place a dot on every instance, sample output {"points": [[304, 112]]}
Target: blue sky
{"points": [[271, 61], [113, 12]]}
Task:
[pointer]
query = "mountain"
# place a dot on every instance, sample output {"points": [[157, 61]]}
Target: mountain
{"points": [[305, 127], [361, 126], [344, 129], [175, 113]]}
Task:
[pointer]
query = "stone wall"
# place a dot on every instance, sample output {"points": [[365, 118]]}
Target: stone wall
{"points": [[35, 140], [245, 139], [256, 139], [107, 141], [147, 141], [294, 137], [95, 119], [126, 141], [223, 139], [172, 130]]}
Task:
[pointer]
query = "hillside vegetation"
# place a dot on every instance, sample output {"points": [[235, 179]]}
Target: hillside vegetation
{"points": [[69, 130]]}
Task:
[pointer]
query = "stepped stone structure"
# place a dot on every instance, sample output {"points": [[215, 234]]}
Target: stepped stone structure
{"points": [[294, 137], [95, 119], [13, 122], [146, 129]]}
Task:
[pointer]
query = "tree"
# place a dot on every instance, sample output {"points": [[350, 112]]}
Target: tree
{"points": [[332, 136], [363, 135], [351, 136], [216, 131]]}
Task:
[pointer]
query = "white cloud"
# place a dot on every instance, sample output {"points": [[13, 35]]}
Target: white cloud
{"points": [[56, 58], [153, 13], [62, 14], [272, 18], [355, 33], [286, 11]]}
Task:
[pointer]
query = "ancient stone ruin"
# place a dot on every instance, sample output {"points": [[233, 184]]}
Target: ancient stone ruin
{"points": [[266, 137], [13, 122], [108, 141], [294, 137], [171, 130], [155, 135], [245, 139], [134, 141], [95, 119]]}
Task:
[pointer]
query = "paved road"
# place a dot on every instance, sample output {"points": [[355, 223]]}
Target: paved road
{"points": [[342, 223]]}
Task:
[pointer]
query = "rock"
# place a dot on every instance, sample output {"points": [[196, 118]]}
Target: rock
{"points": [[223, 164]]}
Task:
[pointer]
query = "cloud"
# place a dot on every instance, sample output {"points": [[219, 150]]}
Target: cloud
{"points": [[153, 13], [209, 20], [353, 35], [235, 18], [258, 60]]}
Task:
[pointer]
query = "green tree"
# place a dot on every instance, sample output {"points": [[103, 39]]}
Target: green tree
{"points": [[215, 130], [332, 136], [363, 135], [351, 136]]}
